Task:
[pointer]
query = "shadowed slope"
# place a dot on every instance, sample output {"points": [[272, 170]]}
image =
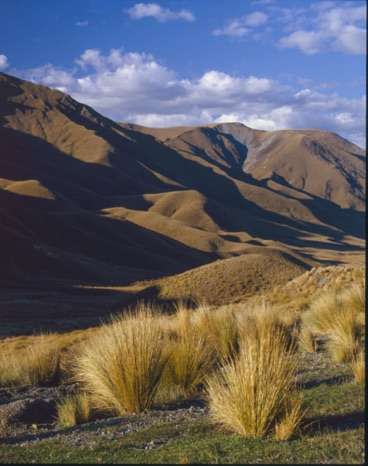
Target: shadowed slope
{"points": [[87, 202]]}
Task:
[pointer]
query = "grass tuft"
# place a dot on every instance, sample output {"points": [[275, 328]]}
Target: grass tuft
{"points": [[294, 412], [357, 366], [250, 395], [122, 366], [38, 364], [339, 315], [74, 410], [191, 355], [221, 329]]}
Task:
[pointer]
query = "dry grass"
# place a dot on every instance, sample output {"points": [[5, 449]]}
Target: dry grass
{"points": [[298, 293], [37, 364], [293, 414], [74, 410], [191, 355], [122, 366], [339, 315], [357, 366], [307, 341], [250, 395], [221, 329]]}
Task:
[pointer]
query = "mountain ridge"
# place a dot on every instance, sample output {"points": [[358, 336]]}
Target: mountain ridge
{"points": [[86, 201]]}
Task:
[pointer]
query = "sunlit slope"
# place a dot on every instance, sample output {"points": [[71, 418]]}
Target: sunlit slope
{"points": [[308, 162], [86, 200], [234, 279]]}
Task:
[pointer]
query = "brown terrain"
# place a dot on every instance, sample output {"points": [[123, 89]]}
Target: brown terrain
{"points": [[97, 214]]}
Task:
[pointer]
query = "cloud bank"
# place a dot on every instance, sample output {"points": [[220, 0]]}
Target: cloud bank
{"points": [[138, 88], [323, 26], [333, 27]]}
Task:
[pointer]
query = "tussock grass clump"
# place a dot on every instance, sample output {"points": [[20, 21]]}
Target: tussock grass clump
{"points": [[261, 319], [191, 355], [251, 394], [340, 315], [357, 366], [37, 364], [122, 366], [74, 410], [221, 329]]}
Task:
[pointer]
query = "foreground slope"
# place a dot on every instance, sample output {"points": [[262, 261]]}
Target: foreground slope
{"points": [[87, 202]]}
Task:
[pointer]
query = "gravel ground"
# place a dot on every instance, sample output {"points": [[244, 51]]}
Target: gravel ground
{"points": [[27, 414]]}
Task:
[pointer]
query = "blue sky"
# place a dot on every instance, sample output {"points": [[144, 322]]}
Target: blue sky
{"points": [[270, 64]]}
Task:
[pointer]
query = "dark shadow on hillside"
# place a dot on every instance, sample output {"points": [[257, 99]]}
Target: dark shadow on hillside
{"points": [[101, 184], [349, 221], [90, 238], [8, 90], [267, 225], [231, 165], [27, 157]]}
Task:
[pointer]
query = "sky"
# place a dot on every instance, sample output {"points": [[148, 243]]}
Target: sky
{"points": [[269, 64]]}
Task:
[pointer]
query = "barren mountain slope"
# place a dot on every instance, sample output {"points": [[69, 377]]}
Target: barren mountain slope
{"points": [[87, 201], [314, 162]]}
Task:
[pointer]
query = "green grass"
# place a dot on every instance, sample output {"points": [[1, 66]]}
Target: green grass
{"points": [[336, 438], [198, 443]]}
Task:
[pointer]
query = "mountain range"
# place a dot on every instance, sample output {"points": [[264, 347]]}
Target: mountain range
{"points": [[90, 206]]}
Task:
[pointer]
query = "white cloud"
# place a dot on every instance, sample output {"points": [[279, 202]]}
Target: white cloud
{"points": [[50, 75], [326, 26], [239, 27], [3, 62], [144, 10], [255, 19], [137, 88], [352, 40], [307, 41], [234, 28]]}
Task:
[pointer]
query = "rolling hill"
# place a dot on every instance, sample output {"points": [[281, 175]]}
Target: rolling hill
{"points": [[89, 206]]}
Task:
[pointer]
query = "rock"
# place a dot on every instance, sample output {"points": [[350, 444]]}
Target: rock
{"points": [[27, 411]]}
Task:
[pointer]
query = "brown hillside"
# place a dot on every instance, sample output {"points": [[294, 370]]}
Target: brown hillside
{"points": [[87, 202], [233, 279]]}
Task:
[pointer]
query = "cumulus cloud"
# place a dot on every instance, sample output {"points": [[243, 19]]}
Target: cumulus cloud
{"points": [[144, 10], [3, 62], [241, 26], [351, 40], [332, 26], [307, 41], [138, 88]]}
